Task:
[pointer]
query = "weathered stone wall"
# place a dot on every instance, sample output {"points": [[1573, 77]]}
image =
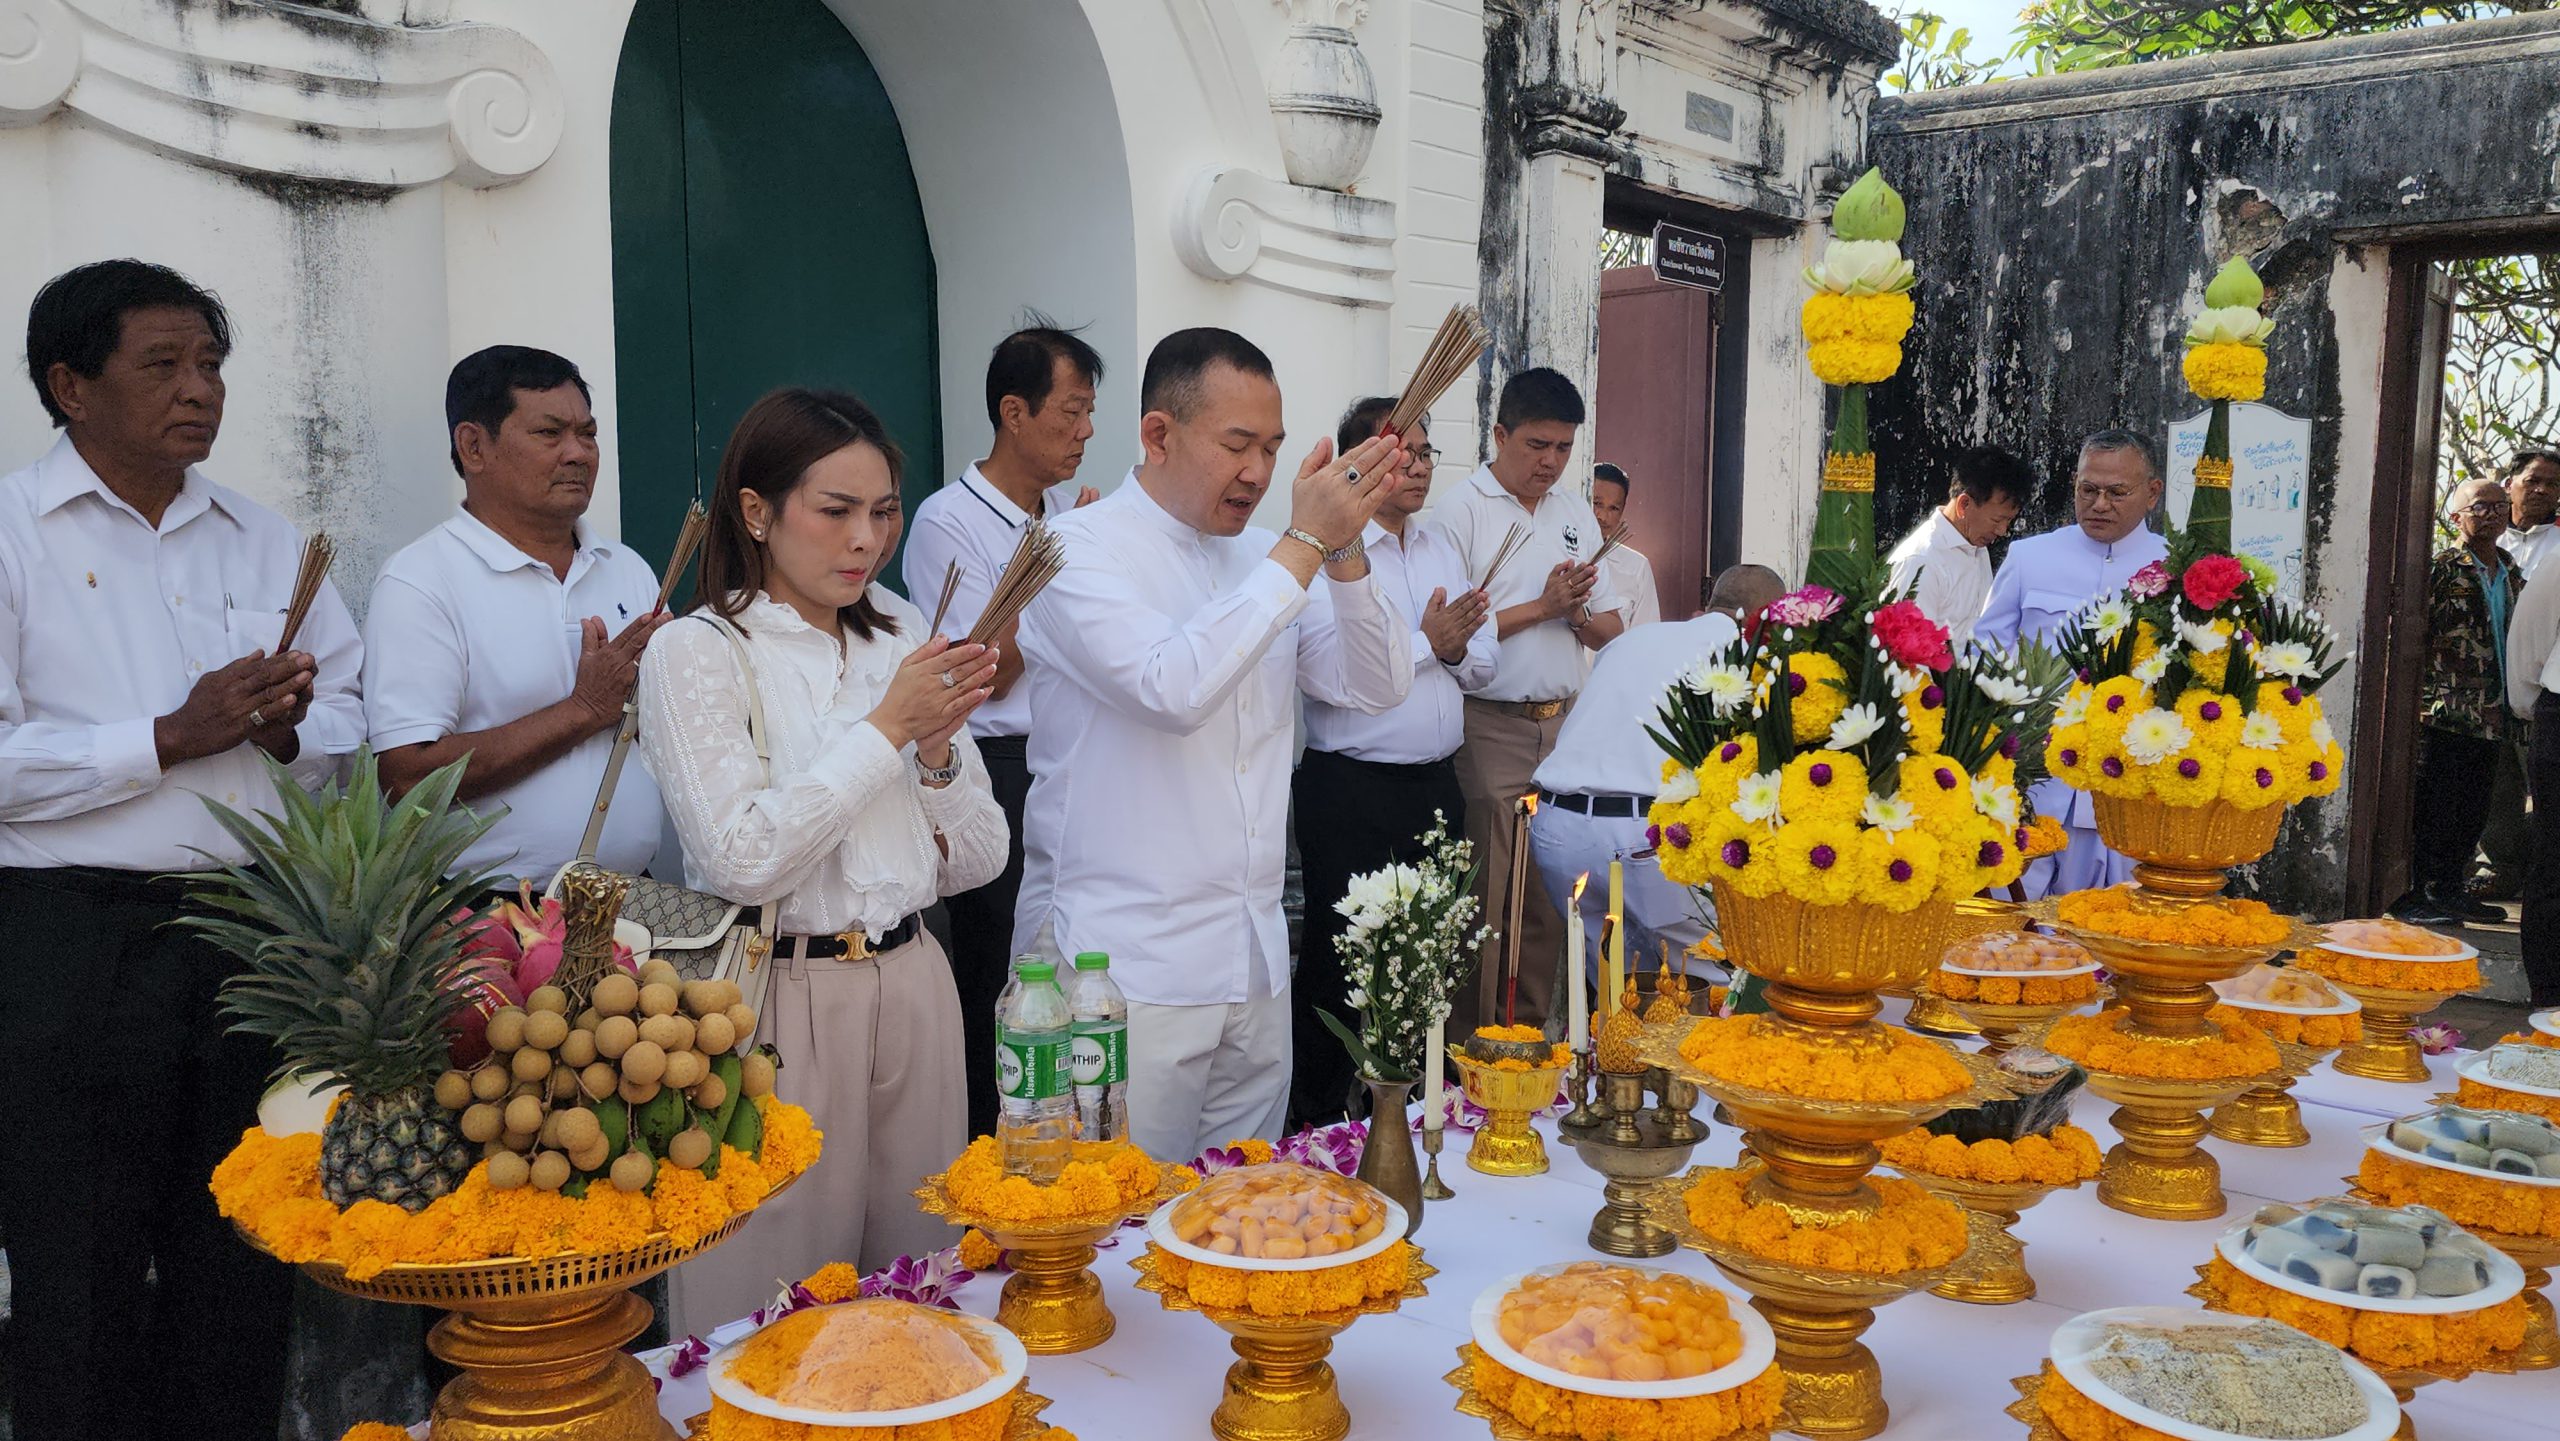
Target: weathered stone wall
{"points": [[2064, 230]]}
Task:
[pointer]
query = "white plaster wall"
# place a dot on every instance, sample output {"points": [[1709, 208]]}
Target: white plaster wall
{"points": [[1782, 410], [2359, 304], [1431, 52]]}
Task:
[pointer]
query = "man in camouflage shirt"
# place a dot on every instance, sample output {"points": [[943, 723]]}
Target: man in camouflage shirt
{"points": [[2471, 591]]}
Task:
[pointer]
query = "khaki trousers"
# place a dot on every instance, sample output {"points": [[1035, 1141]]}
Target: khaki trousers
{"points": [[1501, 753], [872, 1050]]}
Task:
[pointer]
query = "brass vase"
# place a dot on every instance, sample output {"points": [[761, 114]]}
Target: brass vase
{"points": [[1386, 1157]]}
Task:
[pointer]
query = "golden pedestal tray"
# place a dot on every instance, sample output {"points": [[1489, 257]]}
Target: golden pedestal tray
{"points": [[1506, 1144], [2269, 1115], [1930, 1011], [2387, 1053], [1025, 1425], [1052, 1302], [1281, 1388], [539, 1343], [1993, 1269], [2028, 1409]]}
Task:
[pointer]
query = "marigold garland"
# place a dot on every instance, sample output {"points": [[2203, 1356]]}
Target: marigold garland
{"points": [[2485, 1096], [977, 1252], [2225, 370], [2097, 1043], [2043, 836], [1322, 1292], [270, 1186], [1911, 1231], [2321, 1033], [2449, 1345], [2463, 975], [1099, 1176], [2022, 989], [2112, 911], [375, 1431], [2476, 1200], [2065, 1157], [2080, 1419], [1750, 1051], [1749, 1409], [987, 1423]]}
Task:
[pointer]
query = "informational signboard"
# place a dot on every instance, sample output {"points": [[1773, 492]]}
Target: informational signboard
{"points": [[2270, 475], [1687, 257]]}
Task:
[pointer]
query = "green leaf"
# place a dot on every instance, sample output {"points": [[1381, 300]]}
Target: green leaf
{"points": [[1369, 1062]]}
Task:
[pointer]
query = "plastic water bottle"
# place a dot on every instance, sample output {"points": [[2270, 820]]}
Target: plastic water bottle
{"points": [[1101, 1056], [1034, 1035]]}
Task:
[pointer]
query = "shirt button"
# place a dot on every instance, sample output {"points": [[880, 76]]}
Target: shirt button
{"points": [[1240, 770], [194, 666]]}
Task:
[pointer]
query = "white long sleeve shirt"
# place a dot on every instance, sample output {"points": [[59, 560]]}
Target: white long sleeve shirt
{"points": [[1542, 661], [105, 625], [2533, 645], [1165, 668], [973, 523], [1602, 749], [2046, 580], [1431, 722], [2531, 546], [840, 828], [1948, 575]]}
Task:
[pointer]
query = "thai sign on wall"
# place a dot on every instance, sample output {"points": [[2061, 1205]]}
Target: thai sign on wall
{"points": [[1682, 256], [2270, 472]]}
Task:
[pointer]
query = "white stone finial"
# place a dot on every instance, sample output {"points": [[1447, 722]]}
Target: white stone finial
{"points": [[39, 58], [1338, 14]]}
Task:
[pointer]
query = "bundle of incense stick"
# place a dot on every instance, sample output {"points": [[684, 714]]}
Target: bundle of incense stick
{"points": [[1616, 538], [697, 523], [1512, 541], [1037, 559], [1452, 353], [317, 552], [950, 584]]}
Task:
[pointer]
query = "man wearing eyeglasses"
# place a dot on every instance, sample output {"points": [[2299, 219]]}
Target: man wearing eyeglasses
{"points": [[2471, 590], [2047, 579]]}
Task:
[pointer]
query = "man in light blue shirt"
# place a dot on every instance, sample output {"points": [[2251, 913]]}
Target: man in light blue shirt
{"points": [[2045, 581]]}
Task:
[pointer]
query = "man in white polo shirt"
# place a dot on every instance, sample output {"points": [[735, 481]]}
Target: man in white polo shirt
{"points": [[512, 633], [1040, 397], [1549, 601]]}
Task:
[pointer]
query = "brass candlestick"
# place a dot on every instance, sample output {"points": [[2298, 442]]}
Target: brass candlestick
{"points": [[1634, 1147], [1578, 1083], [1433, 1188]]}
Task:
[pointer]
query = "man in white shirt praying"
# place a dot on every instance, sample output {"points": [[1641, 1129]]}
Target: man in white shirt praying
{"points": [[1549, 602], [512, 632], [1166, 662], [1944, 565], [1630, 572], [2048, 579], [1370, 787], [141, 606], [1040, 396]]}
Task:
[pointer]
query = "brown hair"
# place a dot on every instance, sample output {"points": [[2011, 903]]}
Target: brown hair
{"points": [[771, 450]]}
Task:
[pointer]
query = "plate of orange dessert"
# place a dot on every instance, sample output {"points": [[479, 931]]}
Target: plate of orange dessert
{"points": [[1608, 1329]]}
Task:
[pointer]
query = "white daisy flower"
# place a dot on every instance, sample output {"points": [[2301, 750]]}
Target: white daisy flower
{"points": [[1889, 814], [1854, 725], [2110, 618], [2260, 732], [2150, 671], [2290, 659], [2073, 710], [2321, 735], [1758, 797], [1683, 786], [2156, 735], [1908, 679], [2205, 639], [1727, 688], [2003, 688], [1996, 800]]}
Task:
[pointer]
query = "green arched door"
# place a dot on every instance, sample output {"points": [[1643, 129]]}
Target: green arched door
{"points": [[766, 232]]}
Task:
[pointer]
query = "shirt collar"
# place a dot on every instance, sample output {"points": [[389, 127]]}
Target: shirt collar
{"points": [[1483, 480], [64, 476], [996, 500], [1950, 538], [1156, 517], [501, 554]]}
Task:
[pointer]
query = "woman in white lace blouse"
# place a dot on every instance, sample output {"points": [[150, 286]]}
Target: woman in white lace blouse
{"points": [[873, 805]]}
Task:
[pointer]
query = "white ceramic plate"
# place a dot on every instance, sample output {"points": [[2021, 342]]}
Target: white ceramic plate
{"points": [[2377, 1141], [2506, 1279], [1759, 1346], [2468, 952], [2018, 975], [1012, 1363], [1160, 1231], [2547, 1022], [2343, 1006], [2082, 1335], [2475, 1067]]}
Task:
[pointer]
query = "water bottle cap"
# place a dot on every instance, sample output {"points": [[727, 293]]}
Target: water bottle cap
{"points": [[1093, 961], [1036, 971]]}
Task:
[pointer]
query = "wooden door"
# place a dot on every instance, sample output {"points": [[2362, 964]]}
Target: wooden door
{"points": [[1655, 419], [766, 232]]}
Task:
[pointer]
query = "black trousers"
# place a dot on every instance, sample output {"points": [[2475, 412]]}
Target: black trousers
{"points": [[1352, 816], [2542, 872], [127, 1090], [982, 932], [2456, 774]]}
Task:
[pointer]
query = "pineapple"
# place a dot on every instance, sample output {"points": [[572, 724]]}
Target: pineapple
{"points": [[342, 922]]}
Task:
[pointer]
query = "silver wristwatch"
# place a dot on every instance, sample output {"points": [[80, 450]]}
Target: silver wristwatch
{"points": [[940, 776], [1316, 543]]}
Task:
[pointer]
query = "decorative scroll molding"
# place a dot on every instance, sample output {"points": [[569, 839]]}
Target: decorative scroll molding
{"points": [[289, 90], [1233, 224]]}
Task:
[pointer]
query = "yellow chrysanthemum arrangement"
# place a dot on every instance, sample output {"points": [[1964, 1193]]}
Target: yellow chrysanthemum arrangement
{"points": [[2065, 1156], [1846, 756], [1099, 1177]]}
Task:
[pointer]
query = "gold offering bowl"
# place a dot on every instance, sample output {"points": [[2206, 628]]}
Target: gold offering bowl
{"points": [[1052, 1302], [1025, 1425], [2004, 1027], [1993, 1269], [1634, 1147], [1835, 1389], [539, 1343], [1935, 1013], [2268, 1115], [1506, 1144], [2387, 1053], [1281, 1388], [1847, 953]]}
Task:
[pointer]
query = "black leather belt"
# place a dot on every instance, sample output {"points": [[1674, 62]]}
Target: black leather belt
{"points": [[1597, 807], [853, 945]]}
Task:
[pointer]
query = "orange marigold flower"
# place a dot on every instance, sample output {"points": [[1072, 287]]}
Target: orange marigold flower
{"points": [[2451, 1345], [2113, 911], [1546, 1410], [2463, 975], [2100, 1043], [2066, 1157], [1100, 1176], [2482, 1202], [791, 1140], [2023, 989], [2323, 1033], [835, 1281], [375, 1431], [1759, 1051], [2495, 1098], [2080, 1419], [1911, 1231], [977, 1252]]}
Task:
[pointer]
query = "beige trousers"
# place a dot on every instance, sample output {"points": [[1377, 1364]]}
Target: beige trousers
{"points": [[872, 1050], [1501, 753]]}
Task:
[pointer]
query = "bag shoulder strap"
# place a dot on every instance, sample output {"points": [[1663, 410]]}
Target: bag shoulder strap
{"points": [[729, 631]]}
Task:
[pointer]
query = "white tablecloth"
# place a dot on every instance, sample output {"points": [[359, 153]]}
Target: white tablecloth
{"points": [[1946, 1365]]}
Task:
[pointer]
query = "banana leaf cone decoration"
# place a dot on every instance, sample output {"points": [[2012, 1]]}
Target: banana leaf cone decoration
{"points": [[1854, 323], [2226, 360]]}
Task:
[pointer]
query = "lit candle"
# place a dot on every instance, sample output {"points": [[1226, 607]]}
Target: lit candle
{"points": [[1432, 1046], [1617, 934], [1577, 1012]]}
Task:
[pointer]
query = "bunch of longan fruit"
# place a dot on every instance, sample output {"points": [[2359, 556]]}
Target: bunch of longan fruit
{"points": [[650, 1069]]}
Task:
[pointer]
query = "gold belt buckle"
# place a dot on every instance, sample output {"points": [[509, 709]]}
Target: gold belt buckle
{"points": [[856, 943], [1542, 710]]}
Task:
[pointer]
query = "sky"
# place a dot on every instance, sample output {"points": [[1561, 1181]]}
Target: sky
{"points": [[1989, 20]]}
